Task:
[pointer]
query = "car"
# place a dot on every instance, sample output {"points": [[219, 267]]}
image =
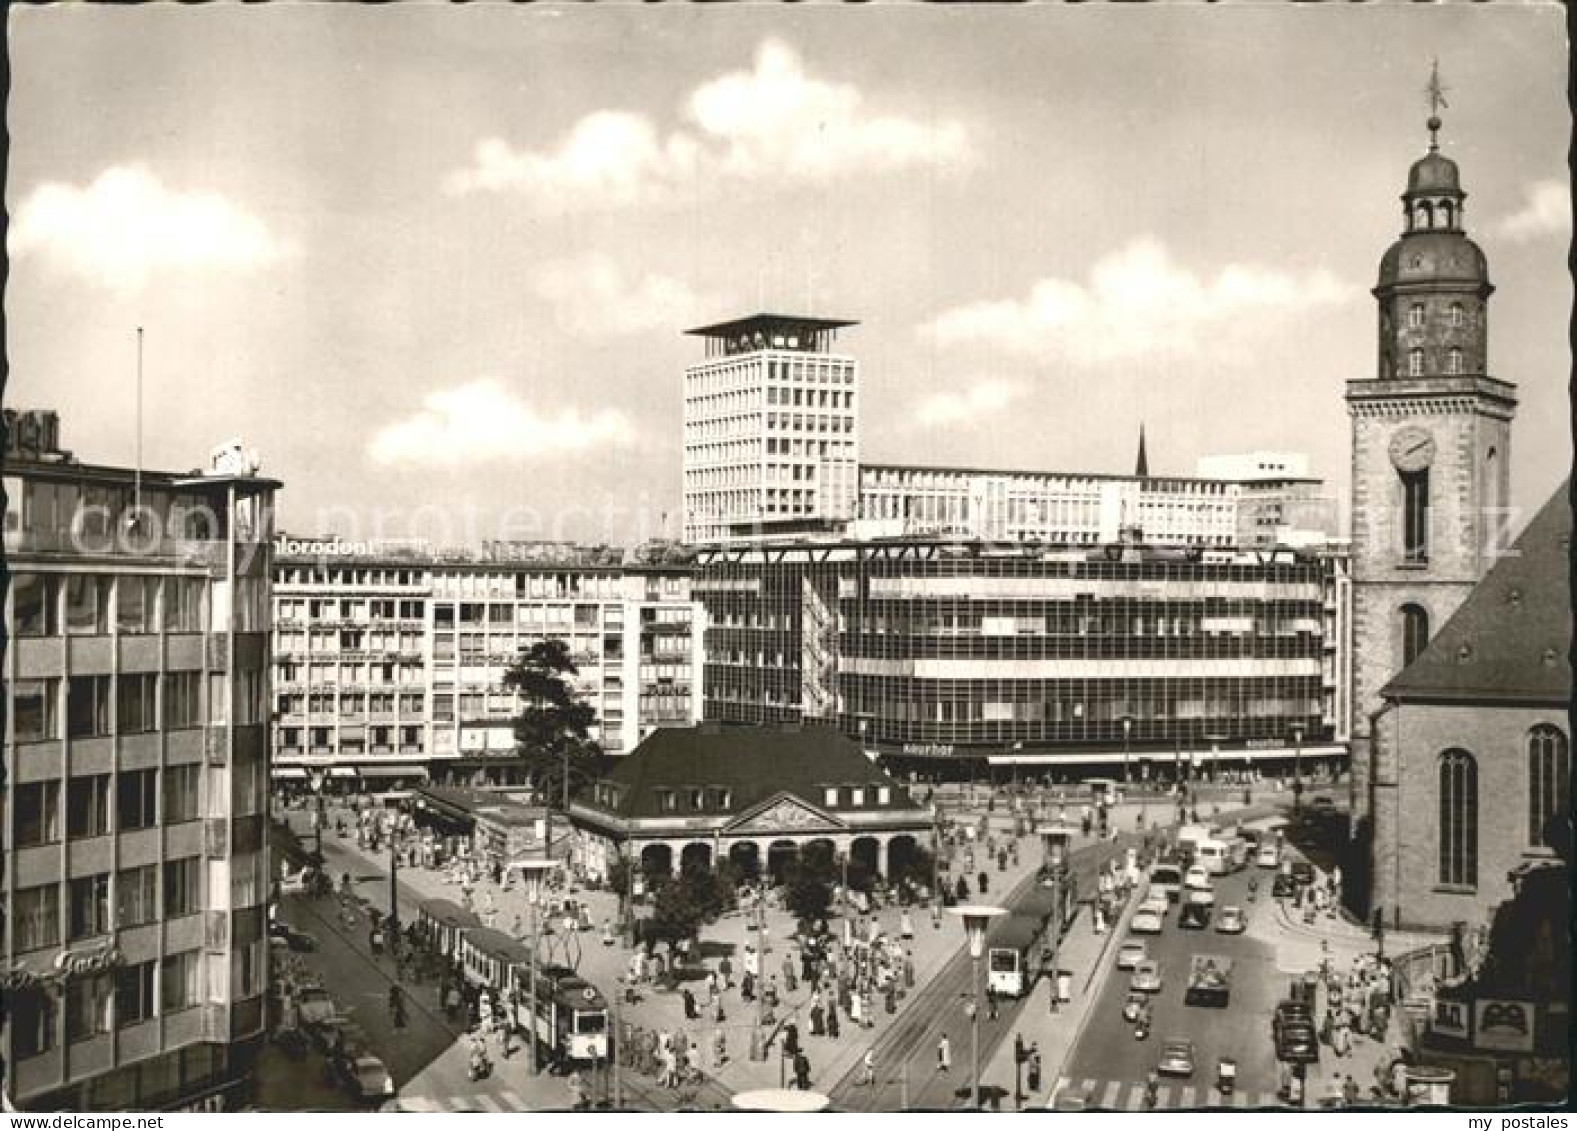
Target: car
{"points": [[1297, 1043], [1197, 878], [1230, 921], [290, 938], [1284, 886], [1323, 803], [1267, 857], [1147, 921], [1288, 1012], [1303, 872], [1131, 953], [1146, 977], [361, 1074], [1072, 1101], [1177, 1058], [315, 1005]]}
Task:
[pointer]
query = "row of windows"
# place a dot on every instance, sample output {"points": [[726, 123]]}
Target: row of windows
{"points": [[42, 604], [98, 706], [142, 895], [1548, 760], [99, 1004], [99, 804]]}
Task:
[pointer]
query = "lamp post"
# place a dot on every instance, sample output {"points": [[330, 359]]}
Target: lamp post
{"points": [[977, 918], [1297, 769], [1127, 722], [532, 873]]}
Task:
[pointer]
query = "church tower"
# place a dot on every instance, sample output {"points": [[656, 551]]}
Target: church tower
{"points": [[1431, 448]]}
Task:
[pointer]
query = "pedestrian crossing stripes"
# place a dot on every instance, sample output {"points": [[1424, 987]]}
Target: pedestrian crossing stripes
{"points": [[1128, 1095], [482, 1102]]}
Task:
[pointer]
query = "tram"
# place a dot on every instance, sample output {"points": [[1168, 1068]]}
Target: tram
{"points": [[441, 923], [569, 1014]]}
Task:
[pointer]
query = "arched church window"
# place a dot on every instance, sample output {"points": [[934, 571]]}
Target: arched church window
{"points": [[1458, 819], [1549, 780], [1415, 632], [1415, 515]]}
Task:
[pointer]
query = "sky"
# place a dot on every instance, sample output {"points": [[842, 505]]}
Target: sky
{"points": [[435, 263]]}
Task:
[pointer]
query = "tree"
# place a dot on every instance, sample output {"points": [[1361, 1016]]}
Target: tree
{"points": [[806, 893], [680, 907], [552, 732]]}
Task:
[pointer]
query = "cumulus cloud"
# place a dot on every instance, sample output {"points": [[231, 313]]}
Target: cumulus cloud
{"points": [[594, 296], [773, 122], [1547, 211], [1137, 302], [966, 405], [482, 422], [127, 225]]}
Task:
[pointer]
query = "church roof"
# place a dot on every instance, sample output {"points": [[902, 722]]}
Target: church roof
{"points": [[753, 763], [1433, 256], [1434, 173], [1509, 641]]}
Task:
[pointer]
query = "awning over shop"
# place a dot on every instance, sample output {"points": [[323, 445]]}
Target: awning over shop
{"points": [[289, 773], [392, 771], [1224, 758], [341, 772]]}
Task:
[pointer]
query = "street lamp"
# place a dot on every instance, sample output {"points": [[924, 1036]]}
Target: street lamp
{"points": [[1297, 769], [532, 875], [1127, 722], [977, 918]]}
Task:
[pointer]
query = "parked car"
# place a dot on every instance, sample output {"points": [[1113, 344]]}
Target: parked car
{"points": [[1177, 1058], [1303, 871], [361, 1074], [1231, 921], [291, 938], [1148, 920], [1146, 977], [1297, 1043], [1131, 953], [1197, 878], [314, 1005], [1268, 856], [1284, 887]]}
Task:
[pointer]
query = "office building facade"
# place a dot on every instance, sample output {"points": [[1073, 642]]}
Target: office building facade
{"points": [[771, 430], [938, 653], [1076, 509], [389, 668], [136, 766]]}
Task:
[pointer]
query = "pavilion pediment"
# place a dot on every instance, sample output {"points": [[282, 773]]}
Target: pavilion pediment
{"points": [[785, 813]]}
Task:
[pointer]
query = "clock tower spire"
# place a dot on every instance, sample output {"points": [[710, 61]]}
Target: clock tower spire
{"points": [[1431, 446]]}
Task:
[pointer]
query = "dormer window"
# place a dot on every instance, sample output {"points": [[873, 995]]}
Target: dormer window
{"points": [[829, 796], [667, 801], [723, 798], [884, 795], [857, 796], [697, 800]]}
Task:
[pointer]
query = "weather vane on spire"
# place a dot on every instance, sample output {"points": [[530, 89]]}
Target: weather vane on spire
{"points": [[1437, 100]]}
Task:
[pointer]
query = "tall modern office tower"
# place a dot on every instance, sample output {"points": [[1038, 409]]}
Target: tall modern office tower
{"points": [[771, 434], [135, 960]]}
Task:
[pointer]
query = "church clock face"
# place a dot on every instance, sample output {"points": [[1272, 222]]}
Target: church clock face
{"points": [[1412, 448]]}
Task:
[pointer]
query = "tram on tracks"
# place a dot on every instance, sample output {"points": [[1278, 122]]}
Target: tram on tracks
{"points": [[569, 1014], [1019, 945]]}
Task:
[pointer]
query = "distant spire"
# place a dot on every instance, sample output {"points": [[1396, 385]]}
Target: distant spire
{"points": [[1142, 465]]}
